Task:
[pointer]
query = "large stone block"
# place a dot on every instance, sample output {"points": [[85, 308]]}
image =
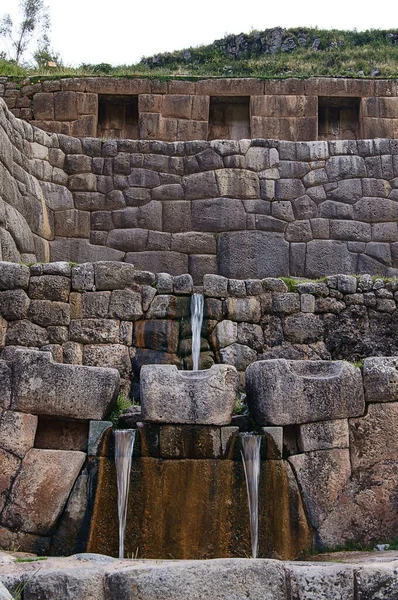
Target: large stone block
{"points": [[372, 438], [17, 432], [43, 387], [218, 214], [14, 304], [285, 392], [380, 378], [321, 581], [248, 254], [13, 276], [114, 356], [237, 183], [94, 331], [329, 256], [41, 489], [321, 476], [196, 397], [219, 579], [323, 435], [111, 275]]}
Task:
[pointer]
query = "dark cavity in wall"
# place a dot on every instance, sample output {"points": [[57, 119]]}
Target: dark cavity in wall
{"points": [[61, 434], [338, 118], [118, 117], [229, 118]]}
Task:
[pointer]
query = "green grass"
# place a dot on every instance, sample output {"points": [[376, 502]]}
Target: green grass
{"points": [[340, 54], [29, 559], [122, 404]]}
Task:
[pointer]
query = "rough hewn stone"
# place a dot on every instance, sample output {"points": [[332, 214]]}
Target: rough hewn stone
{"points": [[284, 392], [198, 397], [43, 387]]}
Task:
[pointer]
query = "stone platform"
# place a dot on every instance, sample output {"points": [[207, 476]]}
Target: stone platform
{"points": [[356, 576]]}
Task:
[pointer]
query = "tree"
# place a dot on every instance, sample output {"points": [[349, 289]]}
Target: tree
{"points": [[35, 23]]}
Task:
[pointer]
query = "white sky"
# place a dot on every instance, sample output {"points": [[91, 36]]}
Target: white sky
{"points": [[122, 31]]}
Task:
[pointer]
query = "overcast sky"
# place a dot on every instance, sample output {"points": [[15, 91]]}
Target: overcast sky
{"points": [[122, 31]]}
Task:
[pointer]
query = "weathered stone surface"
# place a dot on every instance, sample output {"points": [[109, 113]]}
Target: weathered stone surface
{"points": [[17, 432], [224, 334], [31, 507], [45, 313], [365, 511], [373, 582], [113, 275], [284, 392], [13, 276], [198, 397], [329, 256], [5, 384], [219, 579], [165, 306], [218, 214], [323, 435], [246, 254], [25, 333], [94, 331], [50, 287], [14, 304], [303, 328], [114, 356], [380, 378], [9, 467], [321, 581], [319, 471], [43, 387], [238, 355], [125, 304], [4, 594], [160, 335], [372, 437], [244, 309]]}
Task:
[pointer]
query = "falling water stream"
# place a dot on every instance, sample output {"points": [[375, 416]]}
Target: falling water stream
{"points": [[124, 445], [251, 463], [196, 324]]}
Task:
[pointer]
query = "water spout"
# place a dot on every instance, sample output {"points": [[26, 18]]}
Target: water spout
{"points": [[196, 324], [124, 445], [251, 444]]}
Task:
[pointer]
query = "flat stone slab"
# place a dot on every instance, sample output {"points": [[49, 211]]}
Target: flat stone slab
{"points": [[43, 387], [197, 397], [380, 377], [96, 577], [288, 392]]}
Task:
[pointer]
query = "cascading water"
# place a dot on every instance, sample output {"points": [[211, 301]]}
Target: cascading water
{"points": [[196, 324], [251, 444], [124, 445]]}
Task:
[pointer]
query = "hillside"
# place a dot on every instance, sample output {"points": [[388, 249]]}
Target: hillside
{"points": [[280, 53]]}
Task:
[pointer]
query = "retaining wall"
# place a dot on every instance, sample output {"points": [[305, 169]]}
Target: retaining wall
{"points": [[241, 209]]}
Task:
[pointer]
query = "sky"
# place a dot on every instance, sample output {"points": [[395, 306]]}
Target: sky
{"points": [[123, 31]]}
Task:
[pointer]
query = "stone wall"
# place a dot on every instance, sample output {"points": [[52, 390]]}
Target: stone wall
{"points": [[241, 209], [110, 314], [179, 110]]}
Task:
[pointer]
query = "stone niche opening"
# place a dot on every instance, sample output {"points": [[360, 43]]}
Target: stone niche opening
{"points": [[229, 118], [61, 434], [338, 118], [118, 117]]}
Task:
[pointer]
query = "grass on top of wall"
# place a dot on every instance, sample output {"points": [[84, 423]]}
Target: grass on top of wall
{"points": [[298, 52]]}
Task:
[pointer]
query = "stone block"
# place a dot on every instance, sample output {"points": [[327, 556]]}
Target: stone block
{"points": [[237, 183], [244, 309], [372, 437], [162, 335], [13, 276], [197, 397], [380, 378], [17, 432], [43, 387], [329, 256], [323, 435], [238, 355], [174, 263], [114, 356], [110, 275], [193, 441], [43, 107], [164, 283], [303, 328], [25, 333], [177, 216], [193, 242], [288, 189], [83, 277], [45, 313], [286, 392], [50, 287], [224, 578], [350, 230], [286, 303], [321, 475], [252, 254], [9, 467], [183, 284], [95, 304], [215, 286], [94, 331], [321, 581], [224, 334], [40, 491], [65, 106], [14, 304], [200, 185], [126, 305], [218, 214]]}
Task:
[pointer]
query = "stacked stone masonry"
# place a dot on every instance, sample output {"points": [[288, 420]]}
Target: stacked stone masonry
{"points": [[111, 314], [181, 110], [249, 208]]}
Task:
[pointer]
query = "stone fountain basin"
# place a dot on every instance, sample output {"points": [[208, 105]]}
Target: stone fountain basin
{"points": [[289, 392], [188, 397]]}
